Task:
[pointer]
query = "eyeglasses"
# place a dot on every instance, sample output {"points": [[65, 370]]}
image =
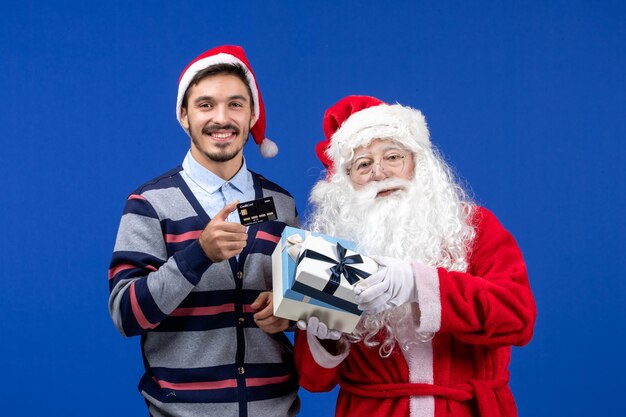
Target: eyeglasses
{"points": [[361, 170]]}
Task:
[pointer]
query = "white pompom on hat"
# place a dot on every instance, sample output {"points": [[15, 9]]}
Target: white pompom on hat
{"points": [[230, 54]]}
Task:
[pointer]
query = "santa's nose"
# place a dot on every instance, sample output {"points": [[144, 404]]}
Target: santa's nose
{"points": [[378, 173]]}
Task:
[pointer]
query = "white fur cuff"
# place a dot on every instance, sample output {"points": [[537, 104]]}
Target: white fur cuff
{"points": [[428, 298], [322, 356]]}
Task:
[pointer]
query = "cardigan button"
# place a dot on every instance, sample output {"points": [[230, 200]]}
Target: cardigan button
{"points": [[241, 370], [240, 275], [241, 321]]}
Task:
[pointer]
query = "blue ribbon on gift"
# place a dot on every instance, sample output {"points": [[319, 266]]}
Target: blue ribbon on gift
{"points": [[341, 266]]}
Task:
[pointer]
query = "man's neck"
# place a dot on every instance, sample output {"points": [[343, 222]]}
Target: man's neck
{"points": [[225, 170]]}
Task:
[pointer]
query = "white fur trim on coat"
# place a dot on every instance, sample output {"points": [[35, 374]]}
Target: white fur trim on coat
{"points": [[429, 300], [420, 357]]}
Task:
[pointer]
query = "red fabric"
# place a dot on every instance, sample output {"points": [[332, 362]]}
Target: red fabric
{"points": [[236, 51], [483, 313]]}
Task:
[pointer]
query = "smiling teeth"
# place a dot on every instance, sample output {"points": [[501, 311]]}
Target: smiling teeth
{"points": [[221, 135]]}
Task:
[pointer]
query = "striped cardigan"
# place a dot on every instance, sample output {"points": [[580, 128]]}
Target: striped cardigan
{"points": [[203, 354]]}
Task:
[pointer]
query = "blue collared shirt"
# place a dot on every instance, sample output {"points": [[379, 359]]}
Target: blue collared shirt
{"points": [[213, 192]]}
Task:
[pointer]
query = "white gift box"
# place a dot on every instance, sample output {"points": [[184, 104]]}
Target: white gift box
{"points": [[293, 305], [327, 271]]}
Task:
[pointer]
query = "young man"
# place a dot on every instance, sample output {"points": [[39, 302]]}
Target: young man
{"points": [[451, 296], [193, 281]]}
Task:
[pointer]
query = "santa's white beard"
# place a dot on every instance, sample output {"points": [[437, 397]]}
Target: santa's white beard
{"points": [[387, 226], [408, 224], [426, 221]]}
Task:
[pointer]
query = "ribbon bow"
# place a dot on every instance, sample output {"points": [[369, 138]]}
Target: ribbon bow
{"points": [[342, 266]]}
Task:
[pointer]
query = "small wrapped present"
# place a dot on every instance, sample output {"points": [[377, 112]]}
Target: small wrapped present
{"points": [[327, 271], [292, 304]]}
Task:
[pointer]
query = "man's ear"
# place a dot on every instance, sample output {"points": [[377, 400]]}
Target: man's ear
{"points": [[184, 119], [252, 118]]}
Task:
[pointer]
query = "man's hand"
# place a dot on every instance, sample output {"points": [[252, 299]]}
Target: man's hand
{"points": [[222, 240], [264, 317], [392, 285]]}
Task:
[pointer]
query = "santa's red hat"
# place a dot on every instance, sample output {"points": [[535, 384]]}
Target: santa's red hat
{"points": [[229, 54], [356, 121]]}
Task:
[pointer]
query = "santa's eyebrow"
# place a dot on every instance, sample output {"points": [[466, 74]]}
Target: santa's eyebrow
{"points": [[394, 147], [384, 150], [362, 155]]}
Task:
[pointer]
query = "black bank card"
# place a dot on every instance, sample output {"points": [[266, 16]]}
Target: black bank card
{"points": [[257, 211]]}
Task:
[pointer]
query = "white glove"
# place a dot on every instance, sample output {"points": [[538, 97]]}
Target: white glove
{"points": [[318, 329], [392, 285]]}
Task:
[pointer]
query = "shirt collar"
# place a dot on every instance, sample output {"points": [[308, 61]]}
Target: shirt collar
{"points": [[208, 180]]}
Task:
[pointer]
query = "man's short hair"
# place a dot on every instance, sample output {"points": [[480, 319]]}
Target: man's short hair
{"points": [[219, 69]]}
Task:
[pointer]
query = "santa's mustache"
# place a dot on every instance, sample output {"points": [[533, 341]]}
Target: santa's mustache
{"points": [[215, 127], [371, 190]]}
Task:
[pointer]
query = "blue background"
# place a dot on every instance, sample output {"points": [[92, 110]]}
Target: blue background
{"points": [[527, 100]]}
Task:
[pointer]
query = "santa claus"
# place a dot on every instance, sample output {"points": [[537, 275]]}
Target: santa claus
{"points": [[451, 296]]}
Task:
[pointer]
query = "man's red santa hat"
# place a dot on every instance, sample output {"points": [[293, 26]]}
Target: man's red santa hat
{"points": [[356, 121], [229, 54]]}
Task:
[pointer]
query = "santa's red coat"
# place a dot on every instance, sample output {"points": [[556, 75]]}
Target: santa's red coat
{"points": [[463, 371]]}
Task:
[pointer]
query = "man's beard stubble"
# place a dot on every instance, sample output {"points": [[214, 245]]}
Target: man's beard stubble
{"points": [[226, 155]]}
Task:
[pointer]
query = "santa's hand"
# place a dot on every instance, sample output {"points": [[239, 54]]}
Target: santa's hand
{"points": [[318, 329], [392, 285]]}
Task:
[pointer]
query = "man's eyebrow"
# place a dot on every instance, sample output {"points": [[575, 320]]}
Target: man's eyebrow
{"points": [[238, 97]]}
